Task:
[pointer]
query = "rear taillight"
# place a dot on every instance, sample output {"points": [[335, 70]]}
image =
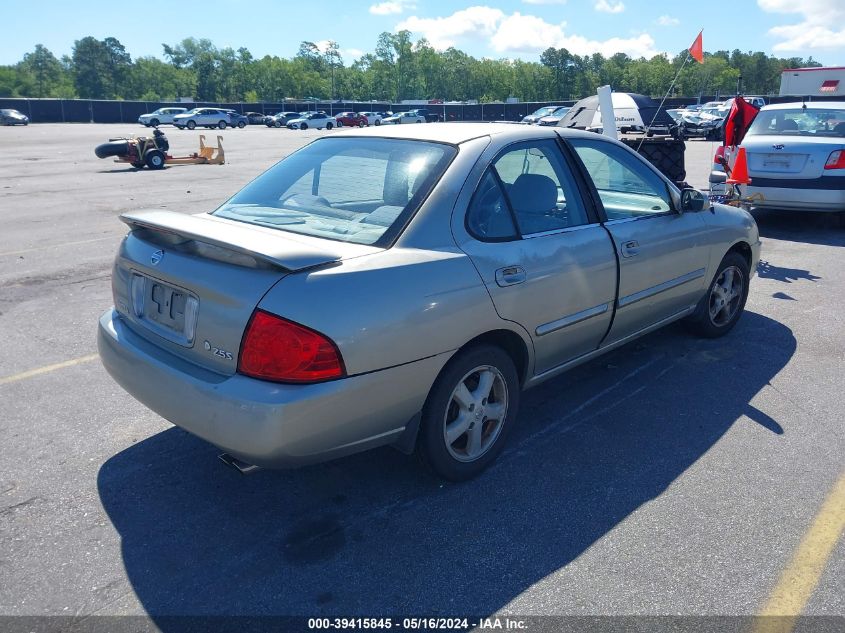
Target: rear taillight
{"points": [[276, 349], [836, 160]]}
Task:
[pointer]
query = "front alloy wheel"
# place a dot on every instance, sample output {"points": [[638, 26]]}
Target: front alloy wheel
{"points": [[725, 296], [722, 305]]}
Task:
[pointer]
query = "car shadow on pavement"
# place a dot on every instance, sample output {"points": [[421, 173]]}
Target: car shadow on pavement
{"points": [[802, 226], [373, 534], [767, 270]]}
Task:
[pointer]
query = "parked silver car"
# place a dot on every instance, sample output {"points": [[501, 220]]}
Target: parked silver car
{"points": [[202, 117], [796, 156], [314, 314], [160, 116]]}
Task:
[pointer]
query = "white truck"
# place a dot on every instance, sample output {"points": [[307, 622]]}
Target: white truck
{"points": [[813, 82]]}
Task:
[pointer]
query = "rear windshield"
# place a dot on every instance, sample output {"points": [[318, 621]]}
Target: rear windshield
{"points": [[799, 122], [360, 190]]}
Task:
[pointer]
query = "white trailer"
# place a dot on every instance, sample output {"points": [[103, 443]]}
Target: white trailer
{"points": [[815, 82]]}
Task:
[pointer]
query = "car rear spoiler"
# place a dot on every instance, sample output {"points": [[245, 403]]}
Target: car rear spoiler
{"points": [[268, 246]]}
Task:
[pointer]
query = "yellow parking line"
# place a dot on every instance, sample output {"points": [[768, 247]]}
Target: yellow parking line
{"points": [[800, 578], [47, 368]]}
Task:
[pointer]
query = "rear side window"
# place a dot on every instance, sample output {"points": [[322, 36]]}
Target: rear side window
{"points": [[360, 190], [540, 188], [489, 216]]}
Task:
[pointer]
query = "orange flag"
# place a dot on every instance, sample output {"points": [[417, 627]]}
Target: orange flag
{"points": [[697, 49]]}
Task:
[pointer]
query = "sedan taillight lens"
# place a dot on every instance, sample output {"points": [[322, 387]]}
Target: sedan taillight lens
{"points": [[836, 160], [276, 349]]}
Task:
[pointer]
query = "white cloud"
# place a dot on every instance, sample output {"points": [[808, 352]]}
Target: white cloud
{"points": [[391, 7], [668, 20], [442, 32], [525, 33], [519, 33], [544, 1], [606, 7], [814, 30]]}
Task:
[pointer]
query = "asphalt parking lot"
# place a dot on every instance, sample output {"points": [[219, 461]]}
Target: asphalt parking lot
{"points": [[675, 476]]}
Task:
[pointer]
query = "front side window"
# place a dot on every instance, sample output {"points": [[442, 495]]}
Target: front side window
{"points": [[360, 190], [626, 186]]}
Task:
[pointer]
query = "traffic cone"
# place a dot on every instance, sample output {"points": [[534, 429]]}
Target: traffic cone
{"points": [[739, 173]]}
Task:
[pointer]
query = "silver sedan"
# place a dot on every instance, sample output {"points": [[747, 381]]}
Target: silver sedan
{"points": [[314, 315], [796, 156]]}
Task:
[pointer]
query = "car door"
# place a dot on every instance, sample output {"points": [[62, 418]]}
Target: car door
{"points": [[546, 261], [662, 255]]}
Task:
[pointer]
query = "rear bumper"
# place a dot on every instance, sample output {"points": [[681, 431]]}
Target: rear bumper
{"points": [[820, 194], [263, 423]]}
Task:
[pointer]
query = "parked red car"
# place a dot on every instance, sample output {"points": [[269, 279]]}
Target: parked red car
{"points": [[352, 119]]}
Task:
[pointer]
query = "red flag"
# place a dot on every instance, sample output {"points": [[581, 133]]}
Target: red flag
{"points": [[697, 49]]}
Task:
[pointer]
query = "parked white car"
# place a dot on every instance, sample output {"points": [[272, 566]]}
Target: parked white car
{"points": [[160, 116], [317, 120], [202, 117], [373, 118], [404, 117]]}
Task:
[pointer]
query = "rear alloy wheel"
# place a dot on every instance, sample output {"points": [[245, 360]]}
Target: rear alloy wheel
{"points": [[241, 124], [277, 124], [469, 412], [154, 122], [720, 309], [191, 125], [340, 124], [378, 121], [329, 126], [303, 126], [221, 125], [154, 159], [361, 123]]}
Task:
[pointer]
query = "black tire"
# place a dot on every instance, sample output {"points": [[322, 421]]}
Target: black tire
{"points": [[138, 164], [340, 124], [221, 125], [191, 125], [154, 159], [303, 126], [241, 124], [362, 123], [378, 122], [702, 321], [277, 124], [329, 126], [154, 122], [433, 447], [112, 148]]}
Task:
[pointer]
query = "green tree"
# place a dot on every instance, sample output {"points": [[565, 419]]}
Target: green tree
{"points": [[45, 69]]}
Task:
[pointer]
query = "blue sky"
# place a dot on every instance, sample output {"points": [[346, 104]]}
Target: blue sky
{"points": [[485, 28]]}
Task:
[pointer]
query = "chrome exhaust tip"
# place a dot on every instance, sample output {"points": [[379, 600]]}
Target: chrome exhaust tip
{"points": [[241, 466]]}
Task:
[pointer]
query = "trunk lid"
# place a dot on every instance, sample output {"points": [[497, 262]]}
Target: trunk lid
{"points": [[788, 157], [189, 283]]}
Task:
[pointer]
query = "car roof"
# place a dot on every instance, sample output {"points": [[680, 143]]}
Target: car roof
{"points": [[460, 132], [810, 105]]}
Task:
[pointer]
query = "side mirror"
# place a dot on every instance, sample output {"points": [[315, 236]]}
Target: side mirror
{"points": [[692, 200]]}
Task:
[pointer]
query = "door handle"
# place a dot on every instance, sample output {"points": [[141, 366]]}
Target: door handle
{"points": [[510, 275], [629, 249]]}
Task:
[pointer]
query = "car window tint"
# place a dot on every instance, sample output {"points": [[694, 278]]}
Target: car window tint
{"points": [[626, 186], [488, 216], [540, 188]]}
